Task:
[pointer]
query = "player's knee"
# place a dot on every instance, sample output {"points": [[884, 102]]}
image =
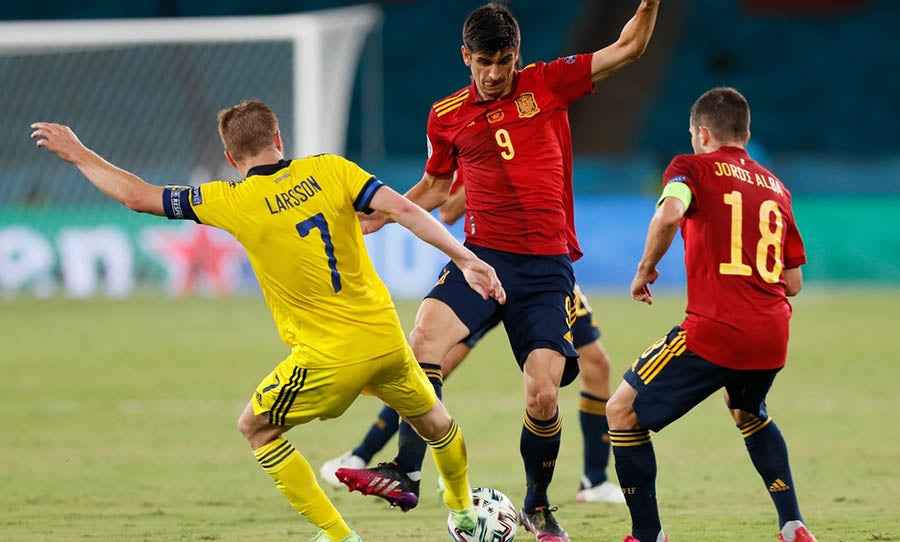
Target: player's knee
{"points": [[620, 413], [246, 426], [421, 337], [741, 417], [543, 402]]}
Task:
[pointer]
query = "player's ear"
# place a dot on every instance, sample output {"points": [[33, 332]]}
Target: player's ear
{"points": [[279, 144], [231, 160], [705, 136], [466, 55]]}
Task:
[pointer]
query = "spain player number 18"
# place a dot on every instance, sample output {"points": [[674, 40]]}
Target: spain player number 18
{"points": [[769, 214]]}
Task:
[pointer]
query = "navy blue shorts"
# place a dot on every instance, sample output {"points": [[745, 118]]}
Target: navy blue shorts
{"points": [[584, 330], [671, 380], [539, 307]]}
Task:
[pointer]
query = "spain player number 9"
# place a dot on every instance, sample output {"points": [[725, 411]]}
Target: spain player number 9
{"points": [[505, 143]]}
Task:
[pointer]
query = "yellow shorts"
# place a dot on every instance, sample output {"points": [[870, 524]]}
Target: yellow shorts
{"points": [[294, 395]]}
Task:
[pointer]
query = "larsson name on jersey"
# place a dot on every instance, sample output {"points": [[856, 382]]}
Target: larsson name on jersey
{"points": [[725, 169], [294, 196]]}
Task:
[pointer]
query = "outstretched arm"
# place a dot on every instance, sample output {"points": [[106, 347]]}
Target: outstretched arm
{"points": [[480, 276], [631, 44], [120, 185], [428, 193], [660, 234]]}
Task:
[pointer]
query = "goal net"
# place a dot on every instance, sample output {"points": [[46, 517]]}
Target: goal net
{"points": [[145, 93]]}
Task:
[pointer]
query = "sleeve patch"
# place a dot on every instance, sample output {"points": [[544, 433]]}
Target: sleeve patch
{"points": [[677, 179], [177, 203], [196, 196]]}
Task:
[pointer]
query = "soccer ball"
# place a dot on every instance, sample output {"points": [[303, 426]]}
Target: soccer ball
{"points": [[497, 518]]}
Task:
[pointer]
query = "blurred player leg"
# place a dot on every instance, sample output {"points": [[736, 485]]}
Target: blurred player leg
{"points": [[384, 427], [593, 365]]}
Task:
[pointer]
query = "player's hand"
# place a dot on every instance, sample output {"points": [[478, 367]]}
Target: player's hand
{"points": [[640, 286], [370, 223], [59, 139], [483, 279]]}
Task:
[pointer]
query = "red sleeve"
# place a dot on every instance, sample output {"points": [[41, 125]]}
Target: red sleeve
{"points": [[682, 169], [441, 156], [569, 77], [794, 252]]}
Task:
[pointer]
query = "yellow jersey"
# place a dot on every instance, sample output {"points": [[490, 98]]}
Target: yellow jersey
{"points": [[297, 221]]}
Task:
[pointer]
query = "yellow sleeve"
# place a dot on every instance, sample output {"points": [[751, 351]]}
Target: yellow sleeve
{"points": [[214, 204]]}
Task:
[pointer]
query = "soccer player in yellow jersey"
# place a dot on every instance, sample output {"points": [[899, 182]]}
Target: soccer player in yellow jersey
{"points": [[297, 220]]}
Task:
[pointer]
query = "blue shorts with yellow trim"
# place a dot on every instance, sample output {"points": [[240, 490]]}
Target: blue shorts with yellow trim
{"points": [[584, 329], [671, 380], [293, 394], [539, 309]]}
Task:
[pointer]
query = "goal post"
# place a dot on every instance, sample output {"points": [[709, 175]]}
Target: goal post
{"points": [[327, 47], [144, 93]]}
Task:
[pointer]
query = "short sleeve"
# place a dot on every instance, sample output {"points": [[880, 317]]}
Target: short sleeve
{"points": [[441, 155], [682, 170], [210, 203], [794, 252], [359, 183], [568, 77]]}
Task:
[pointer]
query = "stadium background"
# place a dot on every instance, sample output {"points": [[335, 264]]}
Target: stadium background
{"points": [[118, 414], [818, 75]]}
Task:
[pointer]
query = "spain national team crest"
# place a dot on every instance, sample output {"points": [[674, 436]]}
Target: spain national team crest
{"points": [[527, 106]]}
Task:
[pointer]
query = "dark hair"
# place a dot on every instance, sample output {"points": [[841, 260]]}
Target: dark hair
{"points": [[247, 128], [490, 29], [725, 112]]}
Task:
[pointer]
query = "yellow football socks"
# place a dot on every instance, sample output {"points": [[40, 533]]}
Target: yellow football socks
{"points": [[452, 463], [295, 479]]}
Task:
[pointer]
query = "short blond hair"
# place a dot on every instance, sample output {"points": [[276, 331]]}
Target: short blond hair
{"points": [[247, 128]]}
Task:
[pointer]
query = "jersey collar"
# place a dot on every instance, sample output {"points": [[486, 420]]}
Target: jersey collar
{"points": [[268, 169], [733, 150]]}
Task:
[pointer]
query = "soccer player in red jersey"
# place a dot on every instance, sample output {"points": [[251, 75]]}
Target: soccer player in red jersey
{"points": [[593, 366], [509, 131], [743, 254]]}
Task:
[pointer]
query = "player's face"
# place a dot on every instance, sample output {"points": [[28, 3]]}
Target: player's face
{"points": [[695, 138], [492, 72]]}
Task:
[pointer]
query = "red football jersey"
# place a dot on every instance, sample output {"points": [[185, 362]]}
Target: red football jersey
{"points": [[517, 155], [739, 236]]}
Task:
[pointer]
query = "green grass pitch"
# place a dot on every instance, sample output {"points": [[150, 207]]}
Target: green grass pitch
{"points": [[118, 424]]}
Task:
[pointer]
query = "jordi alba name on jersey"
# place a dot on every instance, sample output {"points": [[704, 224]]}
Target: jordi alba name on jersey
{"points": [[297, 221], [517, 155], [739, 237]]}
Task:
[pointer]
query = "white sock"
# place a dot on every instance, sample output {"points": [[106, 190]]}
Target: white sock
{"points": [[661, 537]]}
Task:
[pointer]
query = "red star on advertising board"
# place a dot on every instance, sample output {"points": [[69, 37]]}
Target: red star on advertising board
{"points": [[197, 258]]}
